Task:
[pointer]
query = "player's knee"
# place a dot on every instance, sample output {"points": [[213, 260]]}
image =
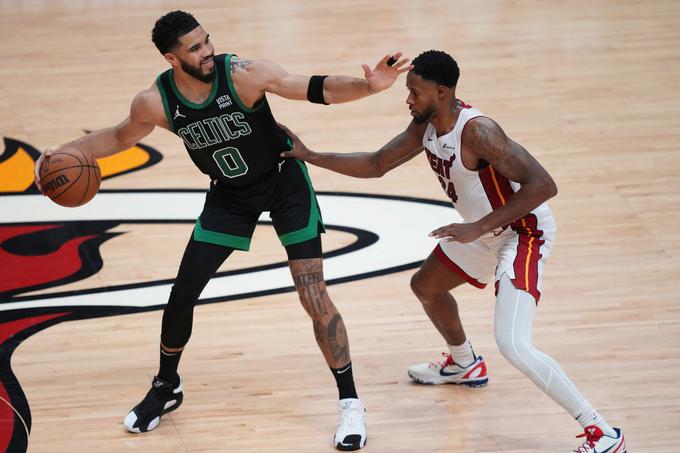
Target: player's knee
{"points": [[317, 303], [182, 299], [418, 285], [514, 349], [423, 289]]}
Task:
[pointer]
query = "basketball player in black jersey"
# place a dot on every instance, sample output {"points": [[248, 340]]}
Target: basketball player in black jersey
{"points": [[217, 105]]}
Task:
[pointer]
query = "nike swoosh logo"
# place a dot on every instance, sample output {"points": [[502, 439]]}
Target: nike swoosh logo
{"points": [[497, 233], [608, 449], [342, 371], [445, 373]]}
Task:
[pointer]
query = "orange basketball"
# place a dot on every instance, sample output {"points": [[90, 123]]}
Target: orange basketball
{"points": [[70, 178]]}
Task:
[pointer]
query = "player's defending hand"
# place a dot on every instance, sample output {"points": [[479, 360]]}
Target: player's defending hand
{"points": [[38, 163], [386, 71], [299, 150], [458, 232]]}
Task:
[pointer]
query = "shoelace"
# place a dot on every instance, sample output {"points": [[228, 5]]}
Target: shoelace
{"points": [[349, 414], [154, 398], [443, 363], [589, 444], [585, 447]]}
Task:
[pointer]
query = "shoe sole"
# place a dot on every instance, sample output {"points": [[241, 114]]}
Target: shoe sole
{"points": [[165, 411], [352, 446], [472, 384]]}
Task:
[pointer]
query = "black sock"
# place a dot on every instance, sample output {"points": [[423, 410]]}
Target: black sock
{"points": [[345, 381], [169, 363]]}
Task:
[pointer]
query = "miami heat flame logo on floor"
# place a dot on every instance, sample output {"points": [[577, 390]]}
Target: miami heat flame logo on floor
{"points": [[36, 256], [44, 247]]}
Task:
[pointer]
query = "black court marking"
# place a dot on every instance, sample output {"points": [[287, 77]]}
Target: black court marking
{"points": [[71, 313]]}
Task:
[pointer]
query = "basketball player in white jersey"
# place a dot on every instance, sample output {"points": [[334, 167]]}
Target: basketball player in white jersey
{"points": [[500, 190]]}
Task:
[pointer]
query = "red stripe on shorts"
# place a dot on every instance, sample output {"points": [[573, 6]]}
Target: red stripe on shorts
{"points": [[529, 243], [446, 261]]}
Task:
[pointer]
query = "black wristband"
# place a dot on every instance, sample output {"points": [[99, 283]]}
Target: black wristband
{"points": [[315, 89]]}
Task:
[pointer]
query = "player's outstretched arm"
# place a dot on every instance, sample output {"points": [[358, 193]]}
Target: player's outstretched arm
{"points": [[104, 142], [485, 139], [333, 89], [397, 151]]}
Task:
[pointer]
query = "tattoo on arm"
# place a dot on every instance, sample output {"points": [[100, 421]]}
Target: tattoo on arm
{"points": [[488, 142], [238, 64]]}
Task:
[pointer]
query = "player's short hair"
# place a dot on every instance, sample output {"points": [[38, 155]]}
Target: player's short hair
{"points": [[437, 66], [170, 27]]}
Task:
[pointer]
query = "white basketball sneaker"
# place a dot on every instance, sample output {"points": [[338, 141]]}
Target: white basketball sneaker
{"points": [[599, 442], [447, 371], [351, 432]]}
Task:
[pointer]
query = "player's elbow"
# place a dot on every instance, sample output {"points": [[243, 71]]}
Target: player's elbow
{"points": [[122, 141], [378, 167], [378, 172], [549, 188]]}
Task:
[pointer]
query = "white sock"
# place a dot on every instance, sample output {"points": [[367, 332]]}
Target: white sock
{"points": [[591, 417], [462, 354]]}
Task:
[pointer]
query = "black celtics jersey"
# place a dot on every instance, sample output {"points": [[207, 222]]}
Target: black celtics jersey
{"points": [[227, 140]]}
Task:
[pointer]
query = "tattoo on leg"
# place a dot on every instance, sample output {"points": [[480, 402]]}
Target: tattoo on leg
{"points": [[319, 302], [312, 291], [337, 339], [329, 330], [320, 334]]}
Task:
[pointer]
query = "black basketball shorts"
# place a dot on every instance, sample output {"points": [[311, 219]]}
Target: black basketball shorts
{"points": [[230, 214]]}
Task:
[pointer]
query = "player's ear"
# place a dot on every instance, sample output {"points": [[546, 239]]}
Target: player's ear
{"points": [[442, 92], [171, 58]]}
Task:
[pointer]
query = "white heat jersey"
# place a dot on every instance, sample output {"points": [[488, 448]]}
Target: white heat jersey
{"points": [[474, 193], [519, 251]]}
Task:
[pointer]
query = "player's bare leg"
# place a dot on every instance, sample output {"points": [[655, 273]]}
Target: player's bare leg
{"points": [[329, 329], [431, 285], [331, 336]]}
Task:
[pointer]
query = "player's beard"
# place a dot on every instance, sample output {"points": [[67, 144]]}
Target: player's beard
{"points": [[425, 116], [197, 73]]}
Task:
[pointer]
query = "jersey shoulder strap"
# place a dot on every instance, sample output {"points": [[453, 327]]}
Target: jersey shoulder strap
{"points": [[163, 86], [228, 61]]}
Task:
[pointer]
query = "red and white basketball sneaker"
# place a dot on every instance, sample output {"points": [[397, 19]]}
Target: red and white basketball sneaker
{"points": [[599, 442], [447, 371]]}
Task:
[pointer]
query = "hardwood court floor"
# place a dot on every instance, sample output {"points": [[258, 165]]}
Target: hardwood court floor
{"points": [[590, 88]]}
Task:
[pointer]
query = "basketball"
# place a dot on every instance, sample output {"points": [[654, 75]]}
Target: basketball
{"points": [[70, 178]]}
